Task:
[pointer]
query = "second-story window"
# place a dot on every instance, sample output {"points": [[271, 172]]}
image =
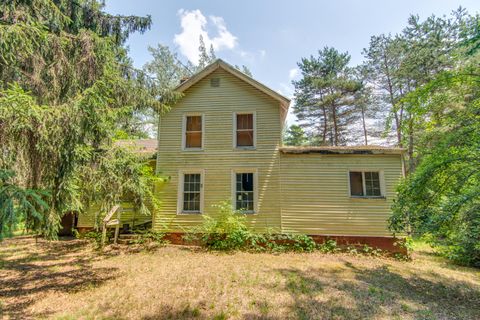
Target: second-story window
{"points": [[193, 135], [245, 130]]}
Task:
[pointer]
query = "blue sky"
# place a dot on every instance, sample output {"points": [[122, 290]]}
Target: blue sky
{"points": [[270, 37]]}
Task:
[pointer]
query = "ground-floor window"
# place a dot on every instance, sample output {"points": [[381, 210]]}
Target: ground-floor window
{"points": [[244, 191], [190, 192], [365, 184]]}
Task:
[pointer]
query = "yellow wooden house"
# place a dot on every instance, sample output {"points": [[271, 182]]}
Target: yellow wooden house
{"points": [[223, 141]]}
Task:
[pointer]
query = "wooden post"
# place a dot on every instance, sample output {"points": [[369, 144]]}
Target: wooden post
{"points": [[117, 227], [105, 224]]}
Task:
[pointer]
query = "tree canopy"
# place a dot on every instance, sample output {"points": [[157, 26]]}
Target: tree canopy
{"points": [[66, 83], [441, 198]]}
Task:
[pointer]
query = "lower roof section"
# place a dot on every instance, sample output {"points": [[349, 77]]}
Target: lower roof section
{"points": [[342, 150]]}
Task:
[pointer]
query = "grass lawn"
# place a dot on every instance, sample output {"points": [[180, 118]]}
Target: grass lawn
{"points": [[69, 280]]}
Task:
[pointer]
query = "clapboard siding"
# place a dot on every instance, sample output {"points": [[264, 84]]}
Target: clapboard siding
{"points": [[219, 157], [315, 194]]}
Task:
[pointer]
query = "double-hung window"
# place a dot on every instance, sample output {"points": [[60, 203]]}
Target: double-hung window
{"points": [[365, 184], [190, 198], [193, 132], [244, 130], [244, 191]]}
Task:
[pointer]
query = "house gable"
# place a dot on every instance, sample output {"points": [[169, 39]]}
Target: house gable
{"points": [[219, 64]]}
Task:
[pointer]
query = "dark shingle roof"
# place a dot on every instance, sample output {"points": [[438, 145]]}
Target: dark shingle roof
{"points": [[343, 150], [147, 147]]}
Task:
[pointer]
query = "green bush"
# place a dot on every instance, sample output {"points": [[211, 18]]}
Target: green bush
{"points": [[228, 231], [96, 237], [329, 246], [149, 236]]}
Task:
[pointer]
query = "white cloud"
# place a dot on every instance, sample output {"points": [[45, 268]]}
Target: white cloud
{"points": [[194, 24], [286, 90], [293, 73], [263, 53]]}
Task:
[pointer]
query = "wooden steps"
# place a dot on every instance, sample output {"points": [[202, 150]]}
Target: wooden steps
{"points": [[127, 238]]}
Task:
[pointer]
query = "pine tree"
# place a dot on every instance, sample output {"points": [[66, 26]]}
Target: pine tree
{"points": [[204, 58], [326, 96], [295, 136], [244, 69]]}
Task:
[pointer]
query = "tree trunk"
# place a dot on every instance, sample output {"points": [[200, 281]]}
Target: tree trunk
{"points": [[335, 127], [398, 120], [365, 134], [325, 126], [411, 163]]}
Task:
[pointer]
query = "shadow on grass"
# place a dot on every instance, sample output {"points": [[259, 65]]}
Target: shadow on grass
{"points": [[33, 268], [378, 292]]}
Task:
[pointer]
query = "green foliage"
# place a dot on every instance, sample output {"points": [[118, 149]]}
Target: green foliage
{"points": [[19, 204], [326, 95], [228, 231], [400, 64], [95, 237], [118, 175], [295, 136], [441, 199], [329, 246], [148, 236], [244, 69], [66, 87], [205, 58]]}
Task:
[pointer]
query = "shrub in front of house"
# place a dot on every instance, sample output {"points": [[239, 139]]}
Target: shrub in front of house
{"points": [[228, 231]]}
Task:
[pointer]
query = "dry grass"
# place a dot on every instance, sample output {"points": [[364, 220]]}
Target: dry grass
{"points": [[68, 280]]}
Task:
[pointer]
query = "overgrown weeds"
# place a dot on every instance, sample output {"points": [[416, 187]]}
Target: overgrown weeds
{"points": [[148, 237], [228, 231]]}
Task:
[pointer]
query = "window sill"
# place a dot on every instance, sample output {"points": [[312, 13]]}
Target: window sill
{"points": [[369, 197], [192, 149], [245, 148], [187, 213], [245, 212]]}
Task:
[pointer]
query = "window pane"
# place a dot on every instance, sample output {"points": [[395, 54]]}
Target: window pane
{"points": [[193, 132], [246, 181], [245, 121], [244, 194], [194, 123], [191, 192], [372, 184], [356, 184], [193, 140], [245, 138]]}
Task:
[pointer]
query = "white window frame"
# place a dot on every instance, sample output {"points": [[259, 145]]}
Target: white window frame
{"points": [[181, 184], [235, 147], [255, 188], [382, 184], [184, 131]]}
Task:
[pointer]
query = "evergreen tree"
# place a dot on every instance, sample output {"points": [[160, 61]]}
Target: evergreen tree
{"points": [[400, 64], [244, 69], [294, 136], [326, 96], [66, 83], [204, 57]]}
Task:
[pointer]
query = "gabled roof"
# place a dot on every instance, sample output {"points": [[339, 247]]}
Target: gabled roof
{"points": [[219, 63]]}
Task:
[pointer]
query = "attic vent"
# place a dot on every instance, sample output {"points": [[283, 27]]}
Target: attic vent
{"points": [[215, 82]]}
